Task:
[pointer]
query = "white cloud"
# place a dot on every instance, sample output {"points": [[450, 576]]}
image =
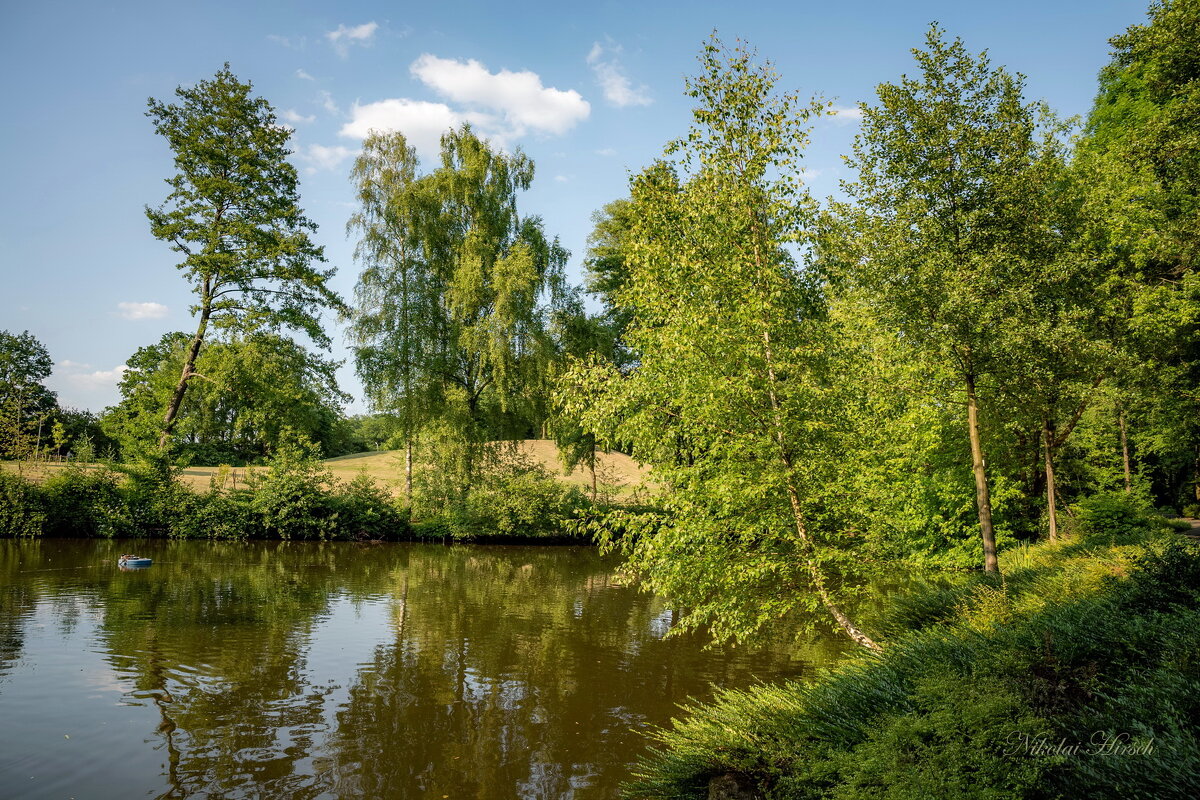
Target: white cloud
{"points": [[136, 311], [845, 115], [322, 157], [304, 76], [344, 37], [328, 104], [561, 178], [68, 364], [607, 152], [421, 122], [610, 75], [295, 117], [99, 379], [519, 97]]}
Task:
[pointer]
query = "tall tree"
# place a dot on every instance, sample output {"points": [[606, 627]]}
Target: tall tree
{"points": [[451, 325], [951, 220], [732, 352], [233, 213]]}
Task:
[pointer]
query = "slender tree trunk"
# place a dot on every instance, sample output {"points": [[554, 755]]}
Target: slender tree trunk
{"points": [[408, 469], [1051, 499], [189, 365], [1125, 451], [983, 498], [818, 579], [806, 544]]}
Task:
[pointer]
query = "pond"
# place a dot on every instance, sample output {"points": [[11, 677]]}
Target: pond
{"points": [[304, 670]]}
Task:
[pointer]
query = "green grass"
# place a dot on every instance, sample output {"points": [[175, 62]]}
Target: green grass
{"points": [[1079, 642]]}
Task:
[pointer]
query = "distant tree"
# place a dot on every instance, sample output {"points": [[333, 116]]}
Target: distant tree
{"points": [[233, 213], [253, 389], [24, 400]]}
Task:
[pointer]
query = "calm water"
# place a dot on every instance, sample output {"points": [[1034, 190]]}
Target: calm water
{"points": [[321, 671]]}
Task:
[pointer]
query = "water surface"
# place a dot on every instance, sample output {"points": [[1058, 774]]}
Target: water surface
{"points": [[338, 670]]}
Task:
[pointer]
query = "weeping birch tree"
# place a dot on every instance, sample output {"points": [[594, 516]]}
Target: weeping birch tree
{"points": [[733, 400], [451, 323]]}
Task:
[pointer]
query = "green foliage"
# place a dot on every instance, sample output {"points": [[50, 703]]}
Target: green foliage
{"points": [[450, 328], [22, 508], [83, 502], [1108, 515], [233, 214], [290, 497], [733, 401], [24, 400], [253, 388], [974, 704]]}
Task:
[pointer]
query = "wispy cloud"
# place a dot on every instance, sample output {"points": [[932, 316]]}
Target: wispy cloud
{"points": [[290, 42], [344, 38], [845, 115], [136, 311], [295, 117], [320, 157], [502, 106], [329, 105], [90, 381], [607, 152], [610, 75], [304, 76]]}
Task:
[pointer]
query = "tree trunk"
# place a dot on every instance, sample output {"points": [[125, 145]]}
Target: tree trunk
{"points": [[1051, 499], [408, 470], [189, 365], [1125, 452], [983, 499]]}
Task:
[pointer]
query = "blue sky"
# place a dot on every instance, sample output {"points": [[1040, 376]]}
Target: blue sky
{"points": [[591, 92]]}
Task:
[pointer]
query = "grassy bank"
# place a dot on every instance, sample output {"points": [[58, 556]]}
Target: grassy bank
{"points": [[1075, 675]]}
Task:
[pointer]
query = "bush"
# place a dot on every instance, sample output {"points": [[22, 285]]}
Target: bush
{"points": [[292, 499], [1110, 515], [83, 502], [1192, 510], [22, 509], [366, 511]]}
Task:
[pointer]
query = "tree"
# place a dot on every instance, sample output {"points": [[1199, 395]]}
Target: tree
{"points": [[1144, 136], [24, 400], [952, 221], [732, 351], [233, 213], [254, 389], [449, 325]]}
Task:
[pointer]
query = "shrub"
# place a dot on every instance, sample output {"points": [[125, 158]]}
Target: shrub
{"points": [[364, 510], [292, 498], [22, 511], [83, 502], [1109, 515]]}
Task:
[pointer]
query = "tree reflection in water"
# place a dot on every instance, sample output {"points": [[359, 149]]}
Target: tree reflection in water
{"points": [[309, 670]]}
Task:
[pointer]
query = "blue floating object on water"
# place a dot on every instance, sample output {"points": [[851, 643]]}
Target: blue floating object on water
{"points": [[133, 562]]}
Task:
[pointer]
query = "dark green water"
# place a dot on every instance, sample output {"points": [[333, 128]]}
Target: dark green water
{"points": [[282, 670]]}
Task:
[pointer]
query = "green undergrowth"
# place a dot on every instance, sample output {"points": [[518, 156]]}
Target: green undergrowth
{"points": [[1076, 674], [296, 498]]}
